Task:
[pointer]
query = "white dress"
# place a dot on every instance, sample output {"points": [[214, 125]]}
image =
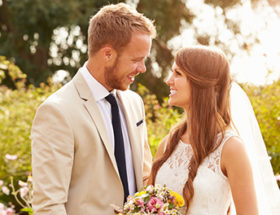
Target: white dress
{"points": [[212, 193]]}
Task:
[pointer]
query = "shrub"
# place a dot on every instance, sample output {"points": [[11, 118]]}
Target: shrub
{"points": [[266, 104], [17, 109]]}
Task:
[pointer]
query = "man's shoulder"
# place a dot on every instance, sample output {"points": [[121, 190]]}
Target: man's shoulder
{"points": [[61, 96]]}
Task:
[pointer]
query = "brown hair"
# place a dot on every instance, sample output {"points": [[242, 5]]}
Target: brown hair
{"points": [[208, 71], [114, 25]]}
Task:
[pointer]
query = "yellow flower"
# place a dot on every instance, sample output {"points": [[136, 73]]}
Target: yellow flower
{"points": [[179, 200], [143, 192]]}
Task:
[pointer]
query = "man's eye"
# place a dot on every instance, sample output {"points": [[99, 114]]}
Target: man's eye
{"points": [[138, 60]]}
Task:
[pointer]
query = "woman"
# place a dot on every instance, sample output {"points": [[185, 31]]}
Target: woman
{"points": [[202, 158]]}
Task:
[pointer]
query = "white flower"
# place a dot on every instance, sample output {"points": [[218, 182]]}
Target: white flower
{"points": [[6, 190], [10, 157], [1, 182], [23, 191], [277, 177], [22, 184]]}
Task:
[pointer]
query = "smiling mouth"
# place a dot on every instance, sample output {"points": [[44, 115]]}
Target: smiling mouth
{"points": [[172, 92], [132, 77]]}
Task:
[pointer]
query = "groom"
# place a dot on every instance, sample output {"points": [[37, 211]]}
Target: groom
{"points": [[89, 139]]}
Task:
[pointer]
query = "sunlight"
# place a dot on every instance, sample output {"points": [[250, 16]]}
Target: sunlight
{"points": [[254, 52]]}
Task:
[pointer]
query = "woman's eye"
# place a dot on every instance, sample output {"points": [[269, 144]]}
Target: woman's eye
{"points": [[177, 73]]}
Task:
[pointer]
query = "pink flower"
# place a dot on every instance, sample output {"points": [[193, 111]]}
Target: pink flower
{"points": [[23, 191], [140, 203], [277, 177], [9, 211], [154, 204], [172, 199], [161, 213]]}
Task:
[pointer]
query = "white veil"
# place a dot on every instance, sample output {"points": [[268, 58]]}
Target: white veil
{"points": [[268, 194]]}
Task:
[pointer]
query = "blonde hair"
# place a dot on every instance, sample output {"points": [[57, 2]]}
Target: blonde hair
{"points": [[208, 71], [114, 25]]}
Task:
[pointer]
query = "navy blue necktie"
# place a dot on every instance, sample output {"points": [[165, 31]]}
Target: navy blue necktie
{"points": [[119, 143]]}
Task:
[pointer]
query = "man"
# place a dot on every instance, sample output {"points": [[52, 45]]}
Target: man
{"points": [[82, 161]]}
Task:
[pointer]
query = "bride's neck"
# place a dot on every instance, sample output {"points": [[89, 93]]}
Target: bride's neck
{"points": [[186, 137]]}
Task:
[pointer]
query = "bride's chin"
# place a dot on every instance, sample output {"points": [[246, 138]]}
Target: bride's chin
{"points": [[170, 103]]}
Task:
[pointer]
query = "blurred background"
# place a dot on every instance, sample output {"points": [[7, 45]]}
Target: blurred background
{"points": [[43, 43]]}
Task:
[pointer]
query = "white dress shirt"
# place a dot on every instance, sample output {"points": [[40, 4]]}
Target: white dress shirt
{"points": [[99, 92]]}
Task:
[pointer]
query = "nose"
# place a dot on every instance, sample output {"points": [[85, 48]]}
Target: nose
{"points": [[141, 67], [169, 80]]}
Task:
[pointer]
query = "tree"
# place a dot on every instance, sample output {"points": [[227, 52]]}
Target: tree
{"points": [[30, 29], [27, 31]]}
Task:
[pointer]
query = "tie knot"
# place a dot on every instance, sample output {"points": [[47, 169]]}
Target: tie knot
{"points": [[111, 99]]}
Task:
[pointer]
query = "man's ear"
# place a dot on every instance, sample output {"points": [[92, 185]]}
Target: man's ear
{"points": [[108, 53]]}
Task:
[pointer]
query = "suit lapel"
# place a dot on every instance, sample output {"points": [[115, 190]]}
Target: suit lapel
{"points": [[94, 112], [129, 114]]}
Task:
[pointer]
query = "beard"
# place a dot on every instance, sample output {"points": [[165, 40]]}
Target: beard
{"points": [[112, 79]]}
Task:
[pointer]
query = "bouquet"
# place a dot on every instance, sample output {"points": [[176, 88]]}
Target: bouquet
{"points": [[150, 200]]}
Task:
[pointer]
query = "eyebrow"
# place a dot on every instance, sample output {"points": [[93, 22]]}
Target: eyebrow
{"points": [[176, 70], [138, 58]]}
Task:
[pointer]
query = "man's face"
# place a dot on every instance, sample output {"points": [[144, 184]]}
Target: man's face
{"points": [[129, 63]]}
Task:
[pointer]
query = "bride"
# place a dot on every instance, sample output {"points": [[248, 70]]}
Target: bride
{"points": [[203, 158]]}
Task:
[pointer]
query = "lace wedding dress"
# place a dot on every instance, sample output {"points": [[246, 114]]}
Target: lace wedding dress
{"points": [[212, 194]]}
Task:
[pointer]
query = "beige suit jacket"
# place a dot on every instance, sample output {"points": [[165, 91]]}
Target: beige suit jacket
{"points": [[73, 163]]}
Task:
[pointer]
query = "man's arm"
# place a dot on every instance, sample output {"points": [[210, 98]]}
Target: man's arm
{"points": [[52, 160]]}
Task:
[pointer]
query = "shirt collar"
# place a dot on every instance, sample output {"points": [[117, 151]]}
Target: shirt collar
{"points": [[98, 91]]}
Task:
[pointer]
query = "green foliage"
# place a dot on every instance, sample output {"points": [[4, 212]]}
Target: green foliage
{"points": [[159, 117], [266, 104], [27, 33], [10, 71], [17, 109]]}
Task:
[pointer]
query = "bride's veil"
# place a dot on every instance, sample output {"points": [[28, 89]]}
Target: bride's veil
{"points": [[268, 194]]}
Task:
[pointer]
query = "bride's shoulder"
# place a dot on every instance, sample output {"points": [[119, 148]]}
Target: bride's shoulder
{"points": [[233, 153], [233, 144]]}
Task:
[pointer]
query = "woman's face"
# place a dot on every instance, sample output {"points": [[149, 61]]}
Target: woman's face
{"points": [[180, 89]]}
